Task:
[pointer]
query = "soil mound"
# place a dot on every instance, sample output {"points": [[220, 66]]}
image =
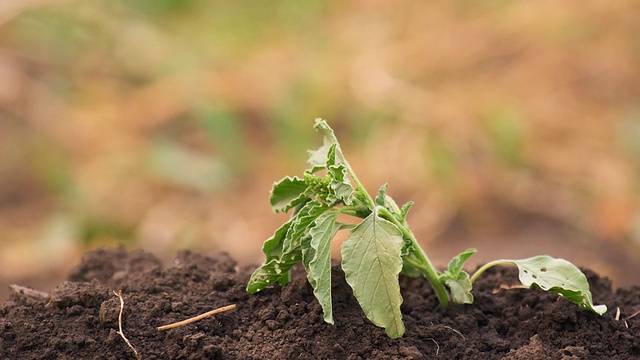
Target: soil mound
{"points": [[79, 319]]}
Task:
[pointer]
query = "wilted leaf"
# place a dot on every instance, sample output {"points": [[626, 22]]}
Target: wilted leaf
{"points": [[287, 193], [319, 266], [558, 276]]}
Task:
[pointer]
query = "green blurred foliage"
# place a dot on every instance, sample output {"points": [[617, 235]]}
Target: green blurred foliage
{"points": [[119, 116], [507, 135]]}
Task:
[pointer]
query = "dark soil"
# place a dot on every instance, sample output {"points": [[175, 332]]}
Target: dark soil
{"points": [[79, 319]]}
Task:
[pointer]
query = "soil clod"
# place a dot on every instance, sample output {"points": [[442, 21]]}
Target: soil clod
{"points": [[81, 317]]}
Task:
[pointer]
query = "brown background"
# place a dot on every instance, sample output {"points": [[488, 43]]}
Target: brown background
{"points": [[161, 124]]}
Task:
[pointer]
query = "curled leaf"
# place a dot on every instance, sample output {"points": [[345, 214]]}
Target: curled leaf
{"points": [[319, 159], [288, 193], [558, 276]]}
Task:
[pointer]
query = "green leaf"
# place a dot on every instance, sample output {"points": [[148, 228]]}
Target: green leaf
{"points": [[284, 248], [386, 201], [272, 247], [405, 209], [371, 262], [457, 280], [340, 186], [381, 196], [280, 259], [331, 155], [319, 265], [274, 270], [336, 188], [455, 265], [316, 186], [288, 193], [302, 222], [558, 276]]}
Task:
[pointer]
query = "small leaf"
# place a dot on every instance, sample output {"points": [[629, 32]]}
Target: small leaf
{"points": [[386, 201], [455, 265], [405, 209], [340, 186], [382, 194], [288, 193], [371, 262], [457, 280], [319, 267], [558, 276], [301, 223]]}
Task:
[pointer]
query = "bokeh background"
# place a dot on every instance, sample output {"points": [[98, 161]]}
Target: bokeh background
{"points": [[162, 124]]}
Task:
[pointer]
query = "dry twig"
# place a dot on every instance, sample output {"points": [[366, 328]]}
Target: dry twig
{"points": [[455, 331], [30, 293], [626, 324], [120, 332], [632, 315], [437, 346], [508, 287], [196, 318]]}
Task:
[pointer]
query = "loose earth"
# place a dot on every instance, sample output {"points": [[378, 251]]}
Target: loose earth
{"points": [[79, 318]]}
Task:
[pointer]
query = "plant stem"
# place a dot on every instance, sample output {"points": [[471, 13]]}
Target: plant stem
{"points": [[421, 260], [487, 266], [358, 184]]}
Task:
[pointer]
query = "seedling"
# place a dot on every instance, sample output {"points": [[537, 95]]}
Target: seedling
{"points": [[378, 248]]}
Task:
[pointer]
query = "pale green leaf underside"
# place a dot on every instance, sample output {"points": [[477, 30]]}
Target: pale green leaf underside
{"points": [[318, 158], [371, 260], [460, 289], [319, 266], [558, 276]]}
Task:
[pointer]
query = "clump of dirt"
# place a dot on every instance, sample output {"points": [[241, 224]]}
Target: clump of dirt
{"points": [[79, 319]]}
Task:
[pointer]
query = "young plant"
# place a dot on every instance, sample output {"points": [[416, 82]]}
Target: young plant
{"points": [[378, 248]]}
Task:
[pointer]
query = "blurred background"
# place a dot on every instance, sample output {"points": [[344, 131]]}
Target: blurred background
{"points": [[162, 124]]}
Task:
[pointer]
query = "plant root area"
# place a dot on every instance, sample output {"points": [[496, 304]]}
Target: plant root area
{"points": [[79, 318]]}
